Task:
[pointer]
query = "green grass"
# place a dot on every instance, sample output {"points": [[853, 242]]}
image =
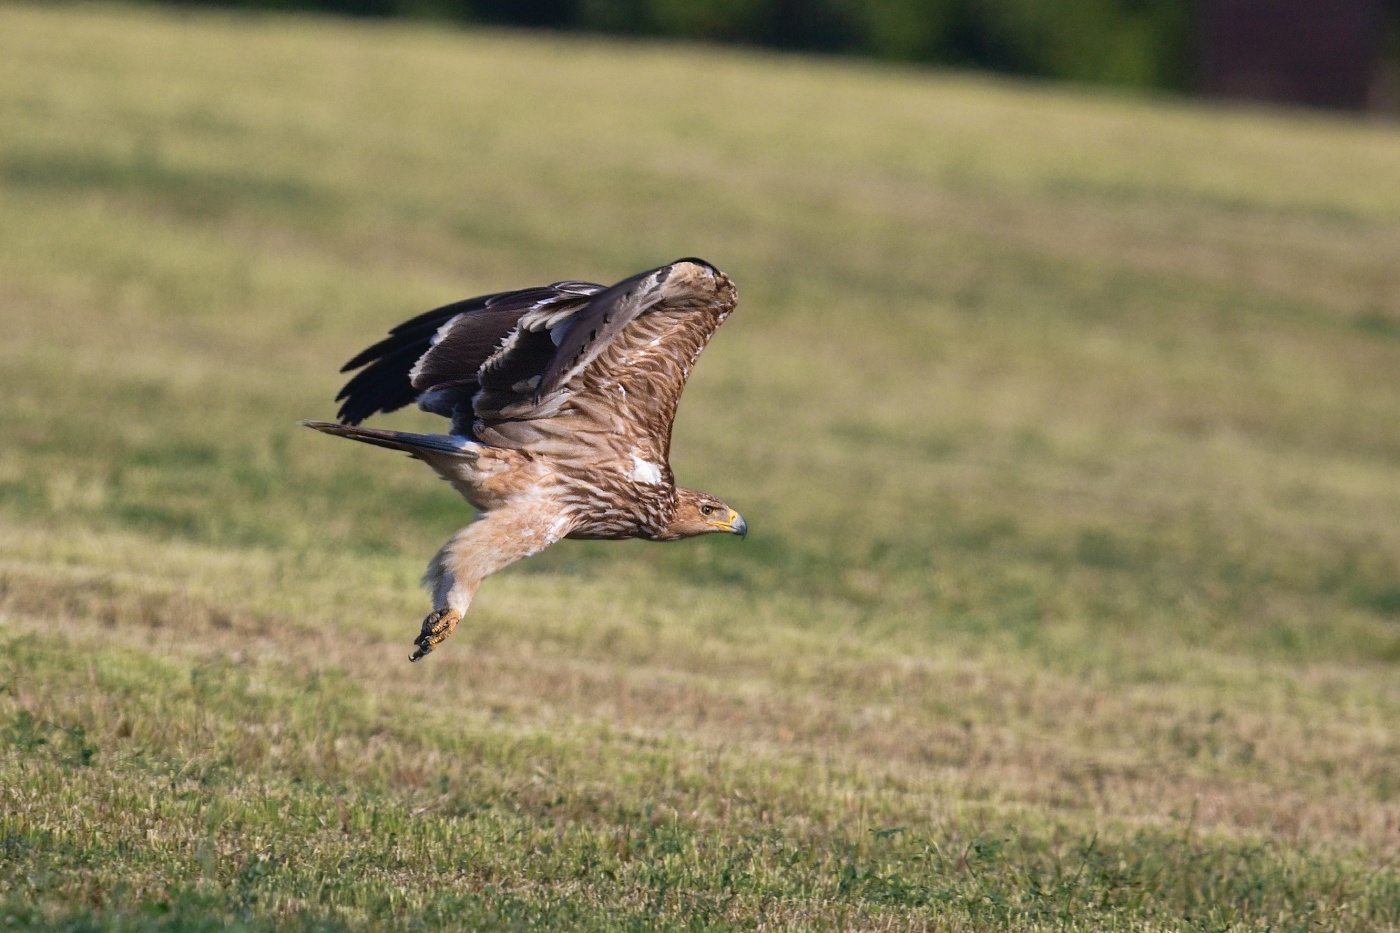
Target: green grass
{"points": [[1067, 425]]}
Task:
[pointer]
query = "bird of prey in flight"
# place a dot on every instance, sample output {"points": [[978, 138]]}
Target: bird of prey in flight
{"points": [[561, 399]]}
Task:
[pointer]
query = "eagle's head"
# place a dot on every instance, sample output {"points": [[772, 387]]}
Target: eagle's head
{"points": [[699, 513]]}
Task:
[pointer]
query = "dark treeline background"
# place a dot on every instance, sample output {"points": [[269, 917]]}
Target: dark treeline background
{"points": [[1137, 43]]}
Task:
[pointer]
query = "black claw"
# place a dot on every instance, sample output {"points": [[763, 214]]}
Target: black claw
{"points": [[436, 627]]}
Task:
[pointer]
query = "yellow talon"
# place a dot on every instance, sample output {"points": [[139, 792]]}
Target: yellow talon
{"points": [[436, 628]]}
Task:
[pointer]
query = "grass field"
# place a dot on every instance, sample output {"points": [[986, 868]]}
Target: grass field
{"points": [[1067, 427]]}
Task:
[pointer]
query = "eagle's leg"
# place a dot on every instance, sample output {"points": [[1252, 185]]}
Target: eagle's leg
{"points": [[453, 576], [495, 540]]}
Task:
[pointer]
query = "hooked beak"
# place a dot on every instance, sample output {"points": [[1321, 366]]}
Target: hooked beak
{"points": [[733, 523]]}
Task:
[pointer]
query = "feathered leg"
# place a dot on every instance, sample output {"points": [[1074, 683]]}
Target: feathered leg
{"points": [[495, 540]]}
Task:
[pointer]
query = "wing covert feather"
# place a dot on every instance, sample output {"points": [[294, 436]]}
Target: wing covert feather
{"points": [[618, 366], [572, 368], [434, 358]]}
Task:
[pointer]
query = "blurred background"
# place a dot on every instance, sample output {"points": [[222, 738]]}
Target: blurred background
{"points": [[1343, 54]]}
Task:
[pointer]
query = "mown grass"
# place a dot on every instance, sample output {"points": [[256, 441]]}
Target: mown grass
{"points": [[1068, 427]]}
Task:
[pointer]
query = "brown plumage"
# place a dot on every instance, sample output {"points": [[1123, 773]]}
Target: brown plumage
{"points": [[561, 400]]}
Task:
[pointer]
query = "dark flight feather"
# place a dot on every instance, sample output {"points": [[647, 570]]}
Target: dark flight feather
{"points": [[499, 366], [382, 386], [412, 363]]}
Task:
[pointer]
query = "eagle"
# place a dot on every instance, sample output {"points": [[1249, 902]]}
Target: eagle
{"points": [[561, 400]]}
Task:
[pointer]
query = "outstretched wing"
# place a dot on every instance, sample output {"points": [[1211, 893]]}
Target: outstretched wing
{"points": [[608, 374], [566, 368], [433, 358]]}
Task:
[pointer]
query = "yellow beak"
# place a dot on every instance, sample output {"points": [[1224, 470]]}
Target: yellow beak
{"points": [[734, 524]]}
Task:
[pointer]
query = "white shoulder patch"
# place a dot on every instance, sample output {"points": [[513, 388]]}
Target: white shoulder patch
{"points": [[644, 471]]}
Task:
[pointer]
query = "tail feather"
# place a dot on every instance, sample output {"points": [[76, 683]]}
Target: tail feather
{"points": [[413, 444]]}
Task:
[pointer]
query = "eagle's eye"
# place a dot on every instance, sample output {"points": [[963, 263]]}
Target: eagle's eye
{"points": [[707, 510]]}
